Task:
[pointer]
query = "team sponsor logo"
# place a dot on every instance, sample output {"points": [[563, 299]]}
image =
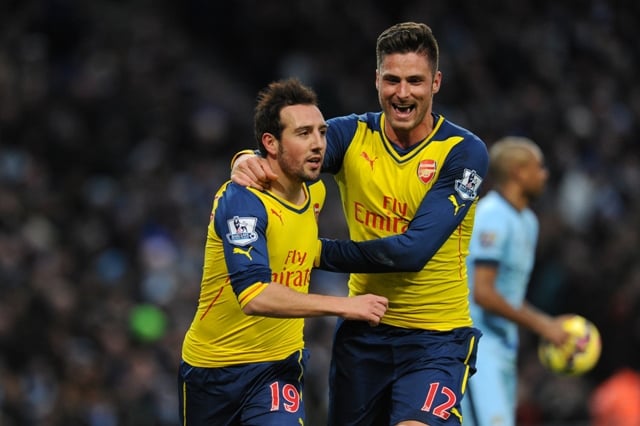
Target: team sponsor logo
{"points": [[370, 160], [242, 230], [467, 187], [278, 214], [427, 170]]}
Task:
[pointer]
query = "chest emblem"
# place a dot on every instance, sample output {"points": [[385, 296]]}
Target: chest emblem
{"points": [[427, 170]]}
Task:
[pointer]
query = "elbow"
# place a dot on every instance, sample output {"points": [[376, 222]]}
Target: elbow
{"points": [[413, 257], [481, 299], [477, 298], [413, 266], [400, 265], [404, 262], [479, 302], [413, 263], [252, 309]]}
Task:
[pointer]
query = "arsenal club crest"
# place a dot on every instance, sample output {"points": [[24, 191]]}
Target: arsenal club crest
{"points": [[427, 170]]}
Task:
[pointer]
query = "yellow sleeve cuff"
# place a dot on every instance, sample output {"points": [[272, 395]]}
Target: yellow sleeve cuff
{"points": [[316, 259], [251, 293], [238, 154]]}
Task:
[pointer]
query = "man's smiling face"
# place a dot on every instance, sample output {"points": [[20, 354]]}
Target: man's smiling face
{"points": [[406, 86]]}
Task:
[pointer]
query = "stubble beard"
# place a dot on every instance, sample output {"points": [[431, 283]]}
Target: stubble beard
{"points": [[295, 171]]}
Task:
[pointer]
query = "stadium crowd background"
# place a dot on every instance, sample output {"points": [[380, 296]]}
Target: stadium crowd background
{"points": [[118, 120]]}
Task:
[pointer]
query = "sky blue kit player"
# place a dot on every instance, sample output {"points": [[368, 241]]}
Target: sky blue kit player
{"points": [[501, 259], [506, 238]]}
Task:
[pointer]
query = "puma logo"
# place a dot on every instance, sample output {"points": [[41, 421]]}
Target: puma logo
{"points": [[237, 250], [278, 214], [456, 206], [366, 157]]}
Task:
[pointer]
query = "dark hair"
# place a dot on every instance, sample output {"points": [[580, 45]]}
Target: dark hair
{"points": [[408, 37], [272, 99]]}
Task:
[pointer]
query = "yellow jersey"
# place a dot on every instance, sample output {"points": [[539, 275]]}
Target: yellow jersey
{"points": [[253, 238], [410, 210]]}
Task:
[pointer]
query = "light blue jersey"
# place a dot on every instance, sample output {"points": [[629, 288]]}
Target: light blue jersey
{"points": [[507, 238]]}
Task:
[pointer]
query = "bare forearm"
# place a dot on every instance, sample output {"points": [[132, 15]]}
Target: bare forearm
{"points": [[279, 301], [282, 302], [525, 316]]}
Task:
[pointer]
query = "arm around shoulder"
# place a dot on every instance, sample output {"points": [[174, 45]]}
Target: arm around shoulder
{"points": [[244, 154]]}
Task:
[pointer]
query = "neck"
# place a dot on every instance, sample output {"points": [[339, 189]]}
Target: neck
{"points": [[293, 192], [514, 196], [405, 138], [287, 187]]}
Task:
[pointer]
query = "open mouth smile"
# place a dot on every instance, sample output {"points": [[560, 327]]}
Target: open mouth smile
{"points": [[403, 110]]}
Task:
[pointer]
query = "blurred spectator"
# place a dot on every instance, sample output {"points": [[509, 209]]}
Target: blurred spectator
{"points": [[616, 401]]}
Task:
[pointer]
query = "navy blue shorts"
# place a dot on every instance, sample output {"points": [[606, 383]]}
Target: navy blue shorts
{"points": [[260, 394], [384, 375]]}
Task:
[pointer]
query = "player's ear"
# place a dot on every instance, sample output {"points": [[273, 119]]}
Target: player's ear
{"points": [[270, 143], [437, 80]]}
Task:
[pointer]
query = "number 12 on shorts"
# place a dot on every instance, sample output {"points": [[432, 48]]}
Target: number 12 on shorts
{"points": [[441, 410]]}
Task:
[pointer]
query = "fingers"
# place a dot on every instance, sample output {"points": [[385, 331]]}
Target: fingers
{"points": [[246, 177], [241, 178], [378, 310], [367, 307], [258, 171], [262, 186], [253, 172], [375, 319], [269, 175], [264, 176]]}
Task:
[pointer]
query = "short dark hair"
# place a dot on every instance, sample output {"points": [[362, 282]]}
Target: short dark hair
{"points": [[272, 99], [408, 37]]}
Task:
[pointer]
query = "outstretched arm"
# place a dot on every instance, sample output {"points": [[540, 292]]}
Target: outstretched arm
{"points": [[407, 252], [250, 275], [441, 211], [276, 300], [487, 296]]}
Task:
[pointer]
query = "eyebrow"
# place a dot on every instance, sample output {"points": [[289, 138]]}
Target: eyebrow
{"points": [[310, 126]]}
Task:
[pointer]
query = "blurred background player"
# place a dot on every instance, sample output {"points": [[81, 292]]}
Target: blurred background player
{"points": [[502, 255], [243, 357]]}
